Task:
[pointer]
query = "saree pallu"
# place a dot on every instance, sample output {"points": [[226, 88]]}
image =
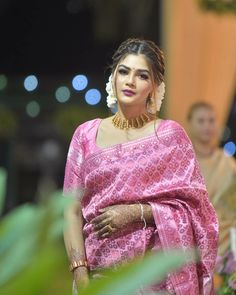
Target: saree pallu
{"points": [[160, 170]]}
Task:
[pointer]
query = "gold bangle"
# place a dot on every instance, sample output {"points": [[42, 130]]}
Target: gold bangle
{"points": [[142, 216], [76, 264]]}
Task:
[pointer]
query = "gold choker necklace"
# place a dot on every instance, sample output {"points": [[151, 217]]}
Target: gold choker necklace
{"points": [[136, 122]]}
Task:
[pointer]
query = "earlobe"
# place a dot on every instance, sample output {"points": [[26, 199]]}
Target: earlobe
{"points": [[151, 106]]}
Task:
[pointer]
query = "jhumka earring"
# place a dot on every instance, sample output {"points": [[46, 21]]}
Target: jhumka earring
{"points": [[154, 104], [151, 106]]}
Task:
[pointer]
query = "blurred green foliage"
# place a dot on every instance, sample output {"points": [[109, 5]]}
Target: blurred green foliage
{"points": [[140, 273], [32, 255], [68, 118], [3, 181], [219, 6], [8, 122], [33, 259]]}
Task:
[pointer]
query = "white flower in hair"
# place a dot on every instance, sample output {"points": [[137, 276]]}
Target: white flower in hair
{"points": [[111, 99], [160, 95]]}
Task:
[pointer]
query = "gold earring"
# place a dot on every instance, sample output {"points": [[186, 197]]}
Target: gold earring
{"points": [[151, 106]]}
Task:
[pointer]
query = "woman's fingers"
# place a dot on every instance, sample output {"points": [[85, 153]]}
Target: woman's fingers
{"points": [[105, 235], [98, 219], [106, 208], [103, 230], [102, 224], [106, 231]]}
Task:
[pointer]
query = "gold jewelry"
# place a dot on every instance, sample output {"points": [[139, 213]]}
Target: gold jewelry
{"points": [[136, 122], [76, 264], [110, 228], [142, 216], [151, 106]]}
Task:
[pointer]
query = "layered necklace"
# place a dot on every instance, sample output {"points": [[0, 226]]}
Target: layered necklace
{"points": [[137, 122]]}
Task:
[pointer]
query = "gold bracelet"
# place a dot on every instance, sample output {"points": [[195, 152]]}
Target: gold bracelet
{"points": [[76, 264], [142, 216]]}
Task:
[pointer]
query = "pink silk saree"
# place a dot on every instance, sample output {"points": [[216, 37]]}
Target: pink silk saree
{"points": [[160, 170]]}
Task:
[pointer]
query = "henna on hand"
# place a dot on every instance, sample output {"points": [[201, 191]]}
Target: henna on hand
{"points": [[76, 255], [81, 276], [114, 218]]}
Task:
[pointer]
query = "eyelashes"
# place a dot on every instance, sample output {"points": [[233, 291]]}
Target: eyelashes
{"points": [[123, 71], [141, 75], [144, 76]]}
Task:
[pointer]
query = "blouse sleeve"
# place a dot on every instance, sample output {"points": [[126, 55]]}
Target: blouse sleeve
{"points": [[73, 180]]}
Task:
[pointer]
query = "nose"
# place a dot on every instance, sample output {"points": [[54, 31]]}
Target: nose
{"points": [[130, 80]]}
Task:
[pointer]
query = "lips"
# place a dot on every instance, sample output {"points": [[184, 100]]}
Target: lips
{"points": [[128, 92]]}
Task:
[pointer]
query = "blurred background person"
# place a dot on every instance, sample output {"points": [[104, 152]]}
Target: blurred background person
{"points": [[218, 168]]}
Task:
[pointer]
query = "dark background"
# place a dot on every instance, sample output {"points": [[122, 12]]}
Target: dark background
{"points": [[62, 37], [55, 40]]}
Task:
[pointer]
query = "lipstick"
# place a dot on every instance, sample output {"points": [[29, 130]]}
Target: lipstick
{"points": [[128, 92]]}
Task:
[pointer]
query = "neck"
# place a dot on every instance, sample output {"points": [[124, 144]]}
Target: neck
{"points": [[203, 149], [130, 112]]}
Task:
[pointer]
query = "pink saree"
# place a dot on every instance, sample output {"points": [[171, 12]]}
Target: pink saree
{"points": [[160, 170]]}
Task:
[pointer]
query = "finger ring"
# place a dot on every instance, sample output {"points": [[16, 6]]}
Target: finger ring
{"points": [[110, 228]]}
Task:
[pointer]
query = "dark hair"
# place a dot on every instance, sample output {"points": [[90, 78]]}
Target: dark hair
{"points": [[198, 105], [152, 52]]}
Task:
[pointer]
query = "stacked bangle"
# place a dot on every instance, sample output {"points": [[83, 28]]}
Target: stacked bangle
{"points": [[76, 264], [142, 216]]}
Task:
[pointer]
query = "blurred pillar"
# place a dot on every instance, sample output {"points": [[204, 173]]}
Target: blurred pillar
{"points": [[200, 52]]}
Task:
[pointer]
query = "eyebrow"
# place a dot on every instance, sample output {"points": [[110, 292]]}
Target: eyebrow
{"points": [[139, 70]]}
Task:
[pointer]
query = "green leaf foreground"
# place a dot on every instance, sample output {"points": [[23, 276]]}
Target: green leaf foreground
{"points": [[127, 279], [218, 6], [38, 275], [33, 258]]}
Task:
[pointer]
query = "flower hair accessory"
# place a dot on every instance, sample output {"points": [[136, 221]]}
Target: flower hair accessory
{"points": [[111, 99], [160, 95]]}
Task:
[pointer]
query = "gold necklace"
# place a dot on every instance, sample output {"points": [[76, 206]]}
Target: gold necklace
{"points": [[136, 122]]}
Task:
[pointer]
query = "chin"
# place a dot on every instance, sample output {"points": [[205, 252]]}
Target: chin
{"points": [[130, 99], [127, 101]]}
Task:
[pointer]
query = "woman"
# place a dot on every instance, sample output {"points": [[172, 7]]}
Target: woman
{"points": [[136, 180], [219, 170]]}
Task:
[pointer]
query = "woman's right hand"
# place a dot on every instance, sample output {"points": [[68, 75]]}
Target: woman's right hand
{"points": [[81, 278]]}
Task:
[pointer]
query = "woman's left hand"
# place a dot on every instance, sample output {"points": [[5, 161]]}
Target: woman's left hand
{"points": [[114, 218]]}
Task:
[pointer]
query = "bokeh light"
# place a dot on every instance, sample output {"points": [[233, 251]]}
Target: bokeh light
{"points": [[80, 82], [33, 109], [62, 94], [3, 82], [229, 148], [31, 83], [93, 96]]}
